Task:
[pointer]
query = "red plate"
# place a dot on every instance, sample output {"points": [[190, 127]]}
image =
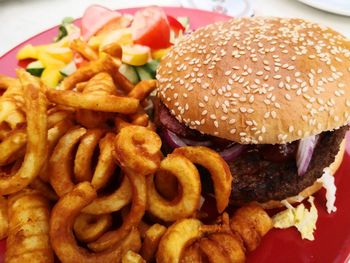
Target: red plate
{"points": [[332, 237]]}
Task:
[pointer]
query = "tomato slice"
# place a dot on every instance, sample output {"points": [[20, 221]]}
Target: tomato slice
{"points": [[175, 25], [151, 28], [94, 18], [78, 60]]}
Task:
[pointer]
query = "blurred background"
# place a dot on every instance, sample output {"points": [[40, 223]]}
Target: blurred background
{"points": [[21, 19]]}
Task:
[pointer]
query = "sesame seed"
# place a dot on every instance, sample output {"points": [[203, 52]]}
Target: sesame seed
{"points": [[242, 109]]}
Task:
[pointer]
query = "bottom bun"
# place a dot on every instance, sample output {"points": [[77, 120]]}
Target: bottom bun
{"points": [[311, 189]]}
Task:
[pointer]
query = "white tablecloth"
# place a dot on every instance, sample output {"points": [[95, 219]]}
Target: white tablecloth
{"points": [[21, 19]]}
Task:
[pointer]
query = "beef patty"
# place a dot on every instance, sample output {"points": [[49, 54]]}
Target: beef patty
{"points": [[256, 179]]}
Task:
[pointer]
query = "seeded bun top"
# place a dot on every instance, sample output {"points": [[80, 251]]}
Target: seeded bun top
{"points": [[259, 80]]}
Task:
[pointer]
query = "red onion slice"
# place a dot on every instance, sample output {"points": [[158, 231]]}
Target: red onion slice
{"points": [[231, 153], [304, 153], [197, 143], [172, 139]]}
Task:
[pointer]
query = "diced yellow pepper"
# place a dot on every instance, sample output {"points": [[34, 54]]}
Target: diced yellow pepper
{"points": [[94, 42], [28, 51], [160, 53], [51, 76], [49, 61], [135, 55], [122, 36], [64, 54]]}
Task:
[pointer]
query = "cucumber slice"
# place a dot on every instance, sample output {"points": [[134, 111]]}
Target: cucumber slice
{"points": [[35, 68], [144, 73], [129, 72], [69, 69], [152, 67]]}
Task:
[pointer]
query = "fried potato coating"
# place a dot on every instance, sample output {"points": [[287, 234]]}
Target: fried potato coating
{"points": [[106, 164], [112, 202], [192, 254], [4, 222], [143, 89], [12, 110], [213, 251], [12, 147], [187, 203], [132, 257], [251, 223], [63, 216], [231, 244], [88, 228], [176, 238], [103, 64], [28, 235], [35, 156], [60, 172], [83, 49], [83, 158], [217, 167], [138, 149], [104, 103], [132, 219], [151, 241]]}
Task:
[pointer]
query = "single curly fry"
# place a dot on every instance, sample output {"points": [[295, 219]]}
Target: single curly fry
{"points": [[28, 235], [143, 89], [104, 64], [83, 158], [217, 167], [151, 241], [96, 102], [63, 216], [60, 173], [113, 49], [53, 136], [112, 202], [137, 149], [251, 223], [176, 238], [105, 163], [83, 49], [35, 104], [187, 203], [88, 228], [134, 217]]}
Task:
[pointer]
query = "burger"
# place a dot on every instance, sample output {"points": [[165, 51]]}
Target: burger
{"points": [[271, 95]]}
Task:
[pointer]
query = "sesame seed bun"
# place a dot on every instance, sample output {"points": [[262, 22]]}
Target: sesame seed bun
{"points": [[311, 189], [259, 80]]}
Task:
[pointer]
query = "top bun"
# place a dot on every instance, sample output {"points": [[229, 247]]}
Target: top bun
{"points": [[259, 80]]}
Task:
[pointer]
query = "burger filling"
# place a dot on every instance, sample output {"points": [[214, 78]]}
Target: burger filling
{"points": [[260, 172]]}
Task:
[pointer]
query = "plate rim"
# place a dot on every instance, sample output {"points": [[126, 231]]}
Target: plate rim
{"points": [[129, 9], [326, 8]]}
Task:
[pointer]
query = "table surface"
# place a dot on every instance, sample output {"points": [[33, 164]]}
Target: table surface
{"points": [[21, 19]]}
